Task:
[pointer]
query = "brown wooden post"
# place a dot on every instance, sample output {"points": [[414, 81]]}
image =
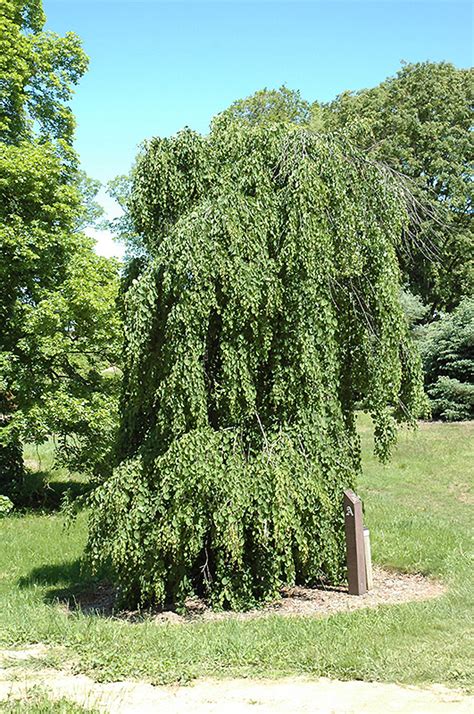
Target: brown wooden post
{"points": [[355, 546]]}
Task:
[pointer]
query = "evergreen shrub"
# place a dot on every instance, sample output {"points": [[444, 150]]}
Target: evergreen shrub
{"points": [[447, 347]]}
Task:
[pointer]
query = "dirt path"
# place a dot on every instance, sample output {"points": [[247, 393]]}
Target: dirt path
{"points": [[234, 696]]}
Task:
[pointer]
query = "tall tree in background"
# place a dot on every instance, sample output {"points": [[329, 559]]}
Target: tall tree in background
{"points": [[54, 307], [270, 106], [37, 70], [420, 123]]}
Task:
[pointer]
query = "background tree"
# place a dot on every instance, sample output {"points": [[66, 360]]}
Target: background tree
{"points": [[38, 70], [53, 326], [415, 310], [420, 123], [270, 106], [120, 188], [447, 347], [269, 303], [64, 372]]}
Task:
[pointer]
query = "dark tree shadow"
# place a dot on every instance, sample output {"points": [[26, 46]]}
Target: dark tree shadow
{"points": [[72, 586], [37, 492], [80, 590], [69, 571]]}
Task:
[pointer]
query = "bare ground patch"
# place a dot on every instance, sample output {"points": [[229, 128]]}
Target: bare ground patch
{"points": [[462, 492], [237, 696]]}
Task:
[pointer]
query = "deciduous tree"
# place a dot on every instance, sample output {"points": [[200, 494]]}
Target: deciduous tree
{"points": [[269, 304], [420, 123], [57, 295]]}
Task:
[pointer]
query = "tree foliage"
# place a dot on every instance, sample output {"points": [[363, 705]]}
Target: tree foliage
{"points": [[447, 347], [267, 107], [415, 310], [37, 72], [270, 106], [420, 123], [59, 326], [268, 306], [63, 366]]}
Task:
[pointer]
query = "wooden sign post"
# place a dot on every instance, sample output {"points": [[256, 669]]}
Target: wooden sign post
{"points": [[355, 546]]}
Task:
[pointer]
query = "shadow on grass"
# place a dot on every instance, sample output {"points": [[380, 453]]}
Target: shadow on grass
{"points": [[38, 492], [80, 590], [68, 572]]}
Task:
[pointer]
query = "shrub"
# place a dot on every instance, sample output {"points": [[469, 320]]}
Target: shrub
{"points": [[6, 506], [447, 347], [451, 399]]}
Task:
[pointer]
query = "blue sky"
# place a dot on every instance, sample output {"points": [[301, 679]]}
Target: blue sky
{"points": [[158, 66]]}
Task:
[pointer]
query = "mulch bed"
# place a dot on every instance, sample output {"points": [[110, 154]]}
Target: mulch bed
{"points": [[390, 588]]}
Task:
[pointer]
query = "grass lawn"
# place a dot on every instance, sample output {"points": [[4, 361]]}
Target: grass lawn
{"points": [[419, 510], [38, 702], [46, 483]]}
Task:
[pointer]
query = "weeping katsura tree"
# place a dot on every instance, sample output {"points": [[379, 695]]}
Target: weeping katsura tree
{"points": [[267, 307]]}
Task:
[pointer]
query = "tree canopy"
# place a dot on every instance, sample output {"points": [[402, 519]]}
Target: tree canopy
{"points": [[57, 305], [269, 106], [268, 306], [420, 123], [38, 70]]}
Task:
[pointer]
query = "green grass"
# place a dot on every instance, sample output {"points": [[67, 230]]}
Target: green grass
{"points": [[418, 509], [46, 484], [41, 458], [38, 702]]}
